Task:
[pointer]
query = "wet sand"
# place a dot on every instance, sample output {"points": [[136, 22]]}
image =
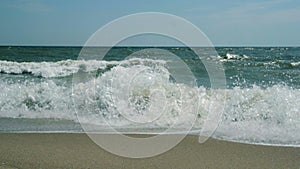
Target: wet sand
{"points": [[78, 151]]}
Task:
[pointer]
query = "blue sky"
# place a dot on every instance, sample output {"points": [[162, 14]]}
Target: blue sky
{"points": [[226, 23]]}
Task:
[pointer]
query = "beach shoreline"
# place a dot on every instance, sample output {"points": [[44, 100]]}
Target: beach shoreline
{"points": [[58, 150]]}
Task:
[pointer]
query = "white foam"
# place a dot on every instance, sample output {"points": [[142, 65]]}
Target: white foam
{"points": [[262, 115], [295, 63], [234, 56]]}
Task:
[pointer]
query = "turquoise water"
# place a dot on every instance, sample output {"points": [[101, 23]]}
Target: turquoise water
{"points": [[262, 86]]}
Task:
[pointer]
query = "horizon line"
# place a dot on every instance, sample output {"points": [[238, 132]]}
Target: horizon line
{"points": [[176, 46]]}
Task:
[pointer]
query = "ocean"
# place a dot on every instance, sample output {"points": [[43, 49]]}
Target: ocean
{"points": [[50, 89]]}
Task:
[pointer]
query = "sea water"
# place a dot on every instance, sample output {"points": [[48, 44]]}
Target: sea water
{"points": [[262, 104]]}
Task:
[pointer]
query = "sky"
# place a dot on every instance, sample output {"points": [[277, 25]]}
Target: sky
{"points": [[225, 23]]}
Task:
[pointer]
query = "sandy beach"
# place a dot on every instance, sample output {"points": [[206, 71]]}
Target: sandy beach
{"points": [[78, 151]]}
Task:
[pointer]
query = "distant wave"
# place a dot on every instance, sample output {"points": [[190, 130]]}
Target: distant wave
{"points": [[280, 64], [65, 67], [231, 57], [295, 63]]}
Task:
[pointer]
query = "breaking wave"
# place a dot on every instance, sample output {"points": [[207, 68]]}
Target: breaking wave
{"points": [[256, 115]]}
